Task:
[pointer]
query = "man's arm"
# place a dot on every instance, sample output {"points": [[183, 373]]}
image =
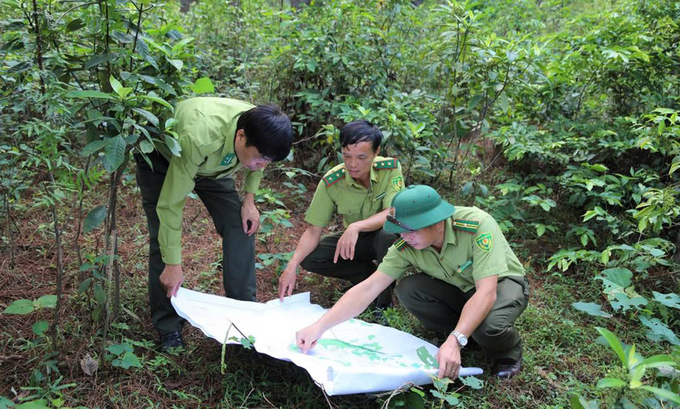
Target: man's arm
{"points": [[348, 240], [474, 312], [249, 213], [348, 306], [178, 183], [307, 244]]}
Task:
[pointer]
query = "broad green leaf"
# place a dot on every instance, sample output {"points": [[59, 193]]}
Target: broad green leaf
{"points": [[89, 94], [472, 382], [130, 360], [178, 64], [146, 146], [540, 229], [663, 393], [669, 300], [95, 218], [114, 154], [169, 123], [467, 188], [99, 59], [173, 145], [658, 360], [610, 383], [659, 331], [5, 403], [36, 404], [93, 147], [579, 402], [75, 25], [19, 307], [39, 327], [115, 84], [160, 83], [614, 343], [202, 86], [118, 88], [46, 301], [153, 97], [615, 279], [115, 349], [622, 301], [123, 38], [504, 102], [153, 120], [591, 309], [99, 294], [427, 358]]}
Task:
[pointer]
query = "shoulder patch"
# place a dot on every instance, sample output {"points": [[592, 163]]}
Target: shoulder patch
{"points": [[330, 179], [386, 164], [484, 242], [400, 244], [469, 226]]}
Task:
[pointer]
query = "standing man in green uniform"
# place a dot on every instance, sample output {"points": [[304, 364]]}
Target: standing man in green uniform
{"points": [[361, 190], [218, 136], [471, 285]]}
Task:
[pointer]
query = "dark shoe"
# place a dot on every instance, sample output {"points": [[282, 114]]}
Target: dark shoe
{"points": [[506, 368], [171, 340]]}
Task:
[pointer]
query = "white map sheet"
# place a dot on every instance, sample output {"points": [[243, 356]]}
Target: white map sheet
{"points": [[353, 357]]}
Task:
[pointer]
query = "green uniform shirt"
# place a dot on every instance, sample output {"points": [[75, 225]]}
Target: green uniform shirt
{"points": [[338, 190], [473, 248], [206, 129]]}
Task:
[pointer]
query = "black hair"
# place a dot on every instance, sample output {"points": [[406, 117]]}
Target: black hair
{"points": [[360, 131], [268, 129]]}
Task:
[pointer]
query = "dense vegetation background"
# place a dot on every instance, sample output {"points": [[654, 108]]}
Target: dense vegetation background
{"points": [[558, 117]]}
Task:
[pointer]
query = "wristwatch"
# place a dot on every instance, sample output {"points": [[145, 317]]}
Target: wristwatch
{"points": [[462, 339]]}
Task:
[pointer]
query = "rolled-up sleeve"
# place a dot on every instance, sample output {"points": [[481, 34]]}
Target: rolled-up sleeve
{"points": [[179, 182], [252, 182]]}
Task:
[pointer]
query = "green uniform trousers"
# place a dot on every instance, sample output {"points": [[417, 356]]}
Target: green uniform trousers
{"points": [[370, 246], [438, 306], [224, 205]]}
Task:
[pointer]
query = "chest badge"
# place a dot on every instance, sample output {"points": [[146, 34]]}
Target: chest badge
{"points": [[226, 161], [484, 241]]}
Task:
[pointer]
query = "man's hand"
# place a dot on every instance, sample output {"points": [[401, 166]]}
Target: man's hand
{"points": [[306, 338], [347, 244], [287, 281], [448, 357], [171, 279], [249, 213]]}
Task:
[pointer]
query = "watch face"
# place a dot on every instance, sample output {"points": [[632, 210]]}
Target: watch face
{"points": [[463, 340]]}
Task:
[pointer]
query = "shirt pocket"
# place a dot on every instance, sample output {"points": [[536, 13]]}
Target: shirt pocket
{"points": [[348, 210]]}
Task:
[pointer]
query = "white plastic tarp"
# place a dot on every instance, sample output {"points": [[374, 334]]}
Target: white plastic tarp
{"points": [[353, 357]]}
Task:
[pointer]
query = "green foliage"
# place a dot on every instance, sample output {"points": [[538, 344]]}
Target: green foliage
{"points": [[122, 356], [635, 365], [23, 306], [580, 98]]}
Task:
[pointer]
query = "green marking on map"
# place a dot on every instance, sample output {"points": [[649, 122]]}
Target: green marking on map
{"points": [[371, 336], [371, 351]]}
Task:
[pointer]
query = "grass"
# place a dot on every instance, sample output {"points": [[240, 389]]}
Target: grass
{"points": [[561, 356]]}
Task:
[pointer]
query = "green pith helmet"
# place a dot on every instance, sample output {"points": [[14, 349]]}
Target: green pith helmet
{"points": [[416, 207]]}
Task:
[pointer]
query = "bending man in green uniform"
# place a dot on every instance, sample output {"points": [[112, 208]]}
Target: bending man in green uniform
{"points": [[471, 284], [361, 189], [218, 136]]}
